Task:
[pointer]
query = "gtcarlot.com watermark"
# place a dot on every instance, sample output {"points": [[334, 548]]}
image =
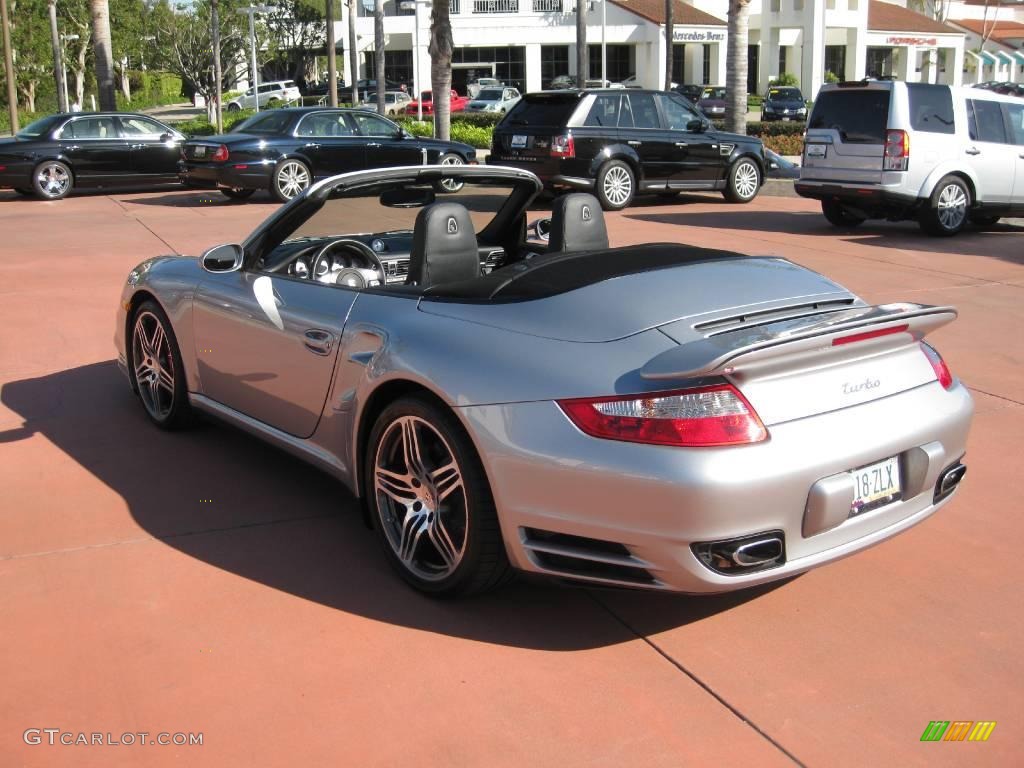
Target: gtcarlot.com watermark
{"points": [[58, 736]]}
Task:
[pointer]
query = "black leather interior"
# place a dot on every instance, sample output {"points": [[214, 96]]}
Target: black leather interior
{"points": [[577, 224], [444, 247]]}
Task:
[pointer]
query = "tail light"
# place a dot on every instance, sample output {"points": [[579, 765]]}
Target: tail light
{"points": [[221, 155], [703, 416], [563, 146], [897, 151], [942, 372]]}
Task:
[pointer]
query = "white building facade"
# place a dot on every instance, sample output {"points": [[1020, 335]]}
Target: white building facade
{"points": [[528, 43]]}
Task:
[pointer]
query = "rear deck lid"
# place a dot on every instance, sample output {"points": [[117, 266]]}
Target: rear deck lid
{"points": [[845, 137]]}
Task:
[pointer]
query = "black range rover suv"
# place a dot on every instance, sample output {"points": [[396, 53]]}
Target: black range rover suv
{"points": [[620, 143]]}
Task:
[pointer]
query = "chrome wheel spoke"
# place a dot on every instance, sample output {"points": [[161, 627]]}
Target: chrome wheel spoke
{"points": [[398, 487], [413, 526], [166, 379], [411, 449], [446, 480], [442, 541]]}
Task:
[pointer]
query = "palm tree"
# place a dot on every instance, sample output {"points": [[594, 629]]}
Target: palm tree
{"points": [[100, 12], [669, 47], [440, 49], [353, 54], [582, 65], [736, 67], [378, 53], [332, 61]]}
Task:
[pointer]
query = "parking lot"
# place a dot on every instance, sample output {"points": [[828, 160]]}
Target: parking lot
{"points": [[202, 582]]}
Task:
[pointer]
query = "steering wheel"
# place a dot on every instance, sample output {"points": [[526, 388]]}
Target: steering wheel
{"points": [[372, 260]]}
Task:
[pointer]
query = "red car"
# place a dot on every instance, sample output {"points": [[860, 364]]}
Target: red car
{"points": [[458, 103]]}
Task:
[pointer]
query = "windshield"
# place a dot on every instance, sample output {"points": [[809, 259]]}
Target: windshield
{"points": [[426, 96], [785, 93], [491, 94], [272, 122], [39, 127], [713, 93]]}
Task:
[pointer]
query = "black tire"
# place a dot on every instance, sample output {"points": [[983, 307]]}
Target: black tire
{"points": [[838, 216], [52, 180], [982, 221], [743, 181], [947, 210], [234, 107], [166, 405], [237, 193], [615, 185], [290, 167], [24, 192], [482, 563]]}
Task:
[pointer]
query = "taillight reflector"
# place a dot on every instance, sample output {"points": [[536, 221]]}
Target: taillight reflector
{"points": [[855, 337], [563, 146], [221, 155], [699, 417], [897, 151], [942, 372]]}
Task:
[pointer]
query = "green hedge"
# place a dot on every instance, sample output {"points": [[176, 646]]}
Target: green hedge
{"points": [[150, 89], [200, 126]]}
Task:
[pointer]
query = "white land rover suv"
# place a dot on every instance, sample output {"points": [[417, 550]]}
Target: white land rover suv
{"points": [[283, 91], [943, 156]]}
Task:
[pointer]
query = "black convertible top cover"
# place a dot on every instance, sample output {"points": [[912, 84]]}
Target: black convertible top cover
{"points": [[549, 275]]}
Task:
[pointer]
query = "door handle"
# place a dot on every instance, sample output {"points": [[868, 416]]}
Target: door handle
{"points": [[137, 146], [318, 341], [312, 145], [634, 143], [373, 144], [682, 144], [973, 151], [69, 147]]}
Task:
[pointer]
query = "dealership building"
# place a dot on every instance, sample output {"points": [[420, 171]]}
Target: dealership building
{"points": [[528, 43]]}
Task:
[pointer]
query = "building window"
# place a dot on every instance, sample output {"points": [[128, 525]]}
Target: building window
{"points": [[835, 60], [509, 65], [706, 74], [782, 59], [879, 62], [397, 67], [679, 63], [554, 62], [753, 56], [620, 62]]}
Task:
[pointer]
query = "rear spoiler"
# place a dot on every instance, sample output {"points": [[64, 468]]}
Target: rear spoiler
{"points": [[726, 352]]}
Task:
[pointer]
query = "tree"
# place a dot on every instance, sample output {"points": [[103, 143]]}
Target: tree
{"points": [[582, 65], [669, 43], [294, 32], [353, 54], [736, 67], [31, 51], [378, 53], [440, 49], [75, 20], [99, 10], [937, 9]]}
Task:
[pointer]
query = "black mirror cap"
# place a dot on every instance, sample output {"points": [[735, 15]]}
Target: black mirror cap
{"points": [[224, 258], [697, 125]]}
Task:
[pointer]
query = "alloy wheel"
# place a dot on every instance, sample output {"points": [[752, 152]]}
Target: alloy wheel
{"points": [[952, 206], [422, 504], [54, 179], [292, 178], [153, 364], [617, 185], [745, 180], [451, 185]]}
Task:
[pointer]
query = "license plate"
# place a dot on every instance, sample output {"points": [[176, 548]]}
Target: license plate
{"points": [[199, 152], [875, 485], [816, 150], [518, 141]]}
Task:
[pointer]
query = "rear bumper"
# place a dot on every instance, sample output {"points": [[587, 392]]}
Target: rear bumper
{"points": [[856, 195], [548, 170], [654, 503], [251, 176]]}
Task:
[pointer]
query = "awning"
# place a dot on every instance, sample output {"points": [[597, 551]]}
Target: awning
{"points": [[1019, 57], [989, 58], [1005, 56]]}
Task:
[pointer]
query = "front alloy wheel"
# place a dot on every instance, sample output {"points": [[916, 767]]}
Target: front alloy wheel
{"points": [[156, 370], [431, 505], [290, 179], [744, 181], [52, 180]]}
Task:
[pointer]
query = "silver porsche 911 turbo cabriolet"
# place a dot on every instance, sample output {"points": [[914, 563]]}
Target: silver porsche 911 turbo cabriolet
{"points": [[656, 416]]}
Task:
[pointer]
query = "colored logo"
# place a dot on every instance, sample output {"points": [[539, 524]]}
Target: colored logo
{"points": [[958, 730]]}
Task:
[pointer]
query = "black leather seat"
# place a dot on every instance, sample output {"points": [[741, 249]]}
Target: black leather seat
{"points": [[577, 224], [444, 248]]}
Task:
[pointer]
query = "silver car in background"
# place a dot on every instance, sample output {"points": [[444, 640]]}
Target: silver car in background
{"points": [[499, 100], [659, 416]]}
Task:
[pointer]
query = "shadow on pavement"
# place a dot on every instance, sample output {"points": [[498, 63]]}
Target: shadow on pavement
{"points": [[276, 521], [905, 235], [200, 198]]}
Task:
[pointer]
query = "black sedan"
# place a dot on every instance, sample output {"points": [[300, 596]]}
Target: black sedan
{"points": [[55, 154], [286, 150]]}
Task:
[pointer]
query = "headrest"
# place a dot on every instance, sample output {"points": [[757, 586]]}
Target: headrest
{"points": [[577, 224], [444, 247]]}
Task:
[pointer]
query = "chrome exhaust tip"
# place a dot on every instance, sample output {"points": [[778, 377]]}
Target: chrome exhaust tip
{"points": [[948, 481], [733, 557]]}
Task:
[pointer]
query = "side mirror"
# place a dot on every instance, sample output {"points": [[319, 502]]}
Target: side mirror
{"points": [[696, 125], [542, 229], [224, 258]]}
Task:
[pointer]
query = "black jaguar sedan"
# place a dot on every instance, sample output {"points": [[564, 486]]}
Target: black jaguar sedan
{"points": [[55, 154], [286, 150]]}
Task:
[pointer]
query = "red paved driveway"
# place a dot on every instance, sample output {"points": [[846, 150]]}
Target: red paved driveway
{"points": [[201, 582]]}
